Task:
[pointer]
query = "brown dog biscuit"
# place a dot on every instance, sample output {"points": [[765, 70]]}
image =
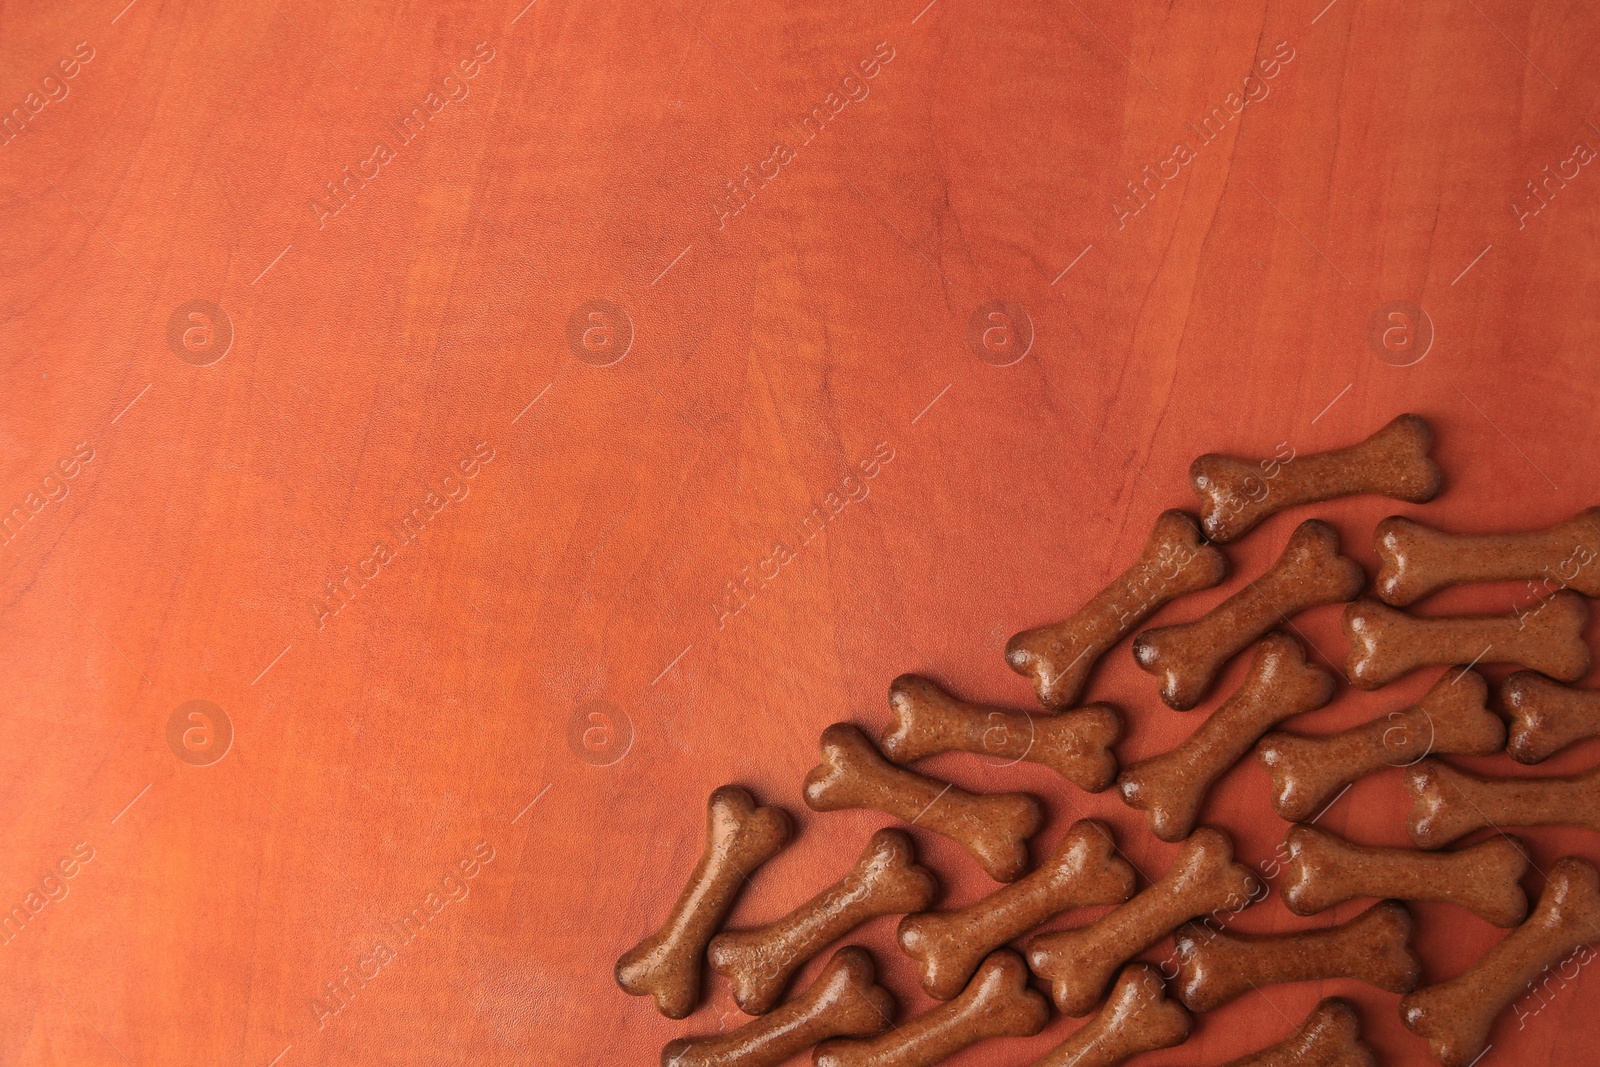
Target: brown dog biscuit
{"points": [[739, 838], [1386, 644], [886, 880], [1452, 718], [1083, 872], [996, 1003], [1215, 966], [1330, 1037], [1324, 870], [1059, 657], [1455, 1016], [1204, 879], [1075, 744], [1417, 560], [1236, 494], [1448, 802], [994, 827], [1187, 657], [1171, 787], [844, 1001], [1546, 717], [1137, 1018]]}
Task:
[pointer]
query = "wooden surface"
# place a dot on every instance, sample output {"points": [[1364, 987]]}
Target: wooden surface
{"points": [[441, 709]]}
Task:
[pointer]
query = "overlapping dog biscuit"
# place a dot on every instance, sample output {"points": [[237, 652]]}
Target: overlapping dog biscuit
{"points": [[1214, 966], [1171, 787], [1204, 878], [1187, 657], [996, 1003], [1546, 716], [994, 827], [1448, 802], [886, 880], [1059, 657], [1386, 644], [1330, 1037], [1452, 718], [844, 1001], [949, 945], [1417, 561], [1455, 1016], [1324, 870], [1137, 1018], [1075, 744], [1236, 494], [740, 837]]}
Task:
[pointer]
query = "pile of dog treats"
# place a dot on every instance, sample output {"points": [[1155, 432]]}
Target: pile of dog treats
{"points": [[962, 955]]}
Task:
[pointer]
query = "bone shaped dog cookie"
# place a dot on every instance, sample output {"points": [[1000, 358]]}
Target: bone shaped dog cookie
{"points": [[1452, 718], [950, 944], [886, 880], [1215, 966], [740, 837], [994, 827], [1547, 717], [1448, 802], [1059, 657], [1075, 744], [1323, 871], [1137, 1018], [996, 1003], [1455, 1016], [844, 1001], [1171, 787], [1386, 644], [1187, 657], [1203, 879], [1236, 494], [1417, 560], [1330, 1037]]}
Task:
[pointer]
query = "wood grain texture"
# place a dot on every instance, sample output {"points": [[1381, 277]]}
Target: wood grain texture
{"points": [[444, 713]]}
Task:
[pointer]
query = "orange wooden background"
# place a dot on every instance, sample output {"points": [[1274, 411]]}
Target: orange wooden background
{"points": [[442, 714]]}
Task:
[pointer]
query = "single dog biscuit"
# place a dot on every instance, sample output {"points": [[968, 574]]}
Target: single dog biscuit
{"points": [[1215, 966], [1452, 718], [1171, 787], [1417, 561], [996, 1003], [739, 838], [844, 1001], [1204, 879], [1137, 1018], [994, 827], [1547, 717], [1059, 657], [949, 945], [1448, 802], [1455, 1016], [1236, 494], [1188, 657], [1330, 1037], [1075, 744], [1485, 879], [1386, 644], [886, 880]]}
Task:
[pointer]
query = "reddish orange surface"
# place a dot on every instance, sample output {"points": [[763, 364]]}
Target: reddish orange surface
{"points": [[443, 709]]}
